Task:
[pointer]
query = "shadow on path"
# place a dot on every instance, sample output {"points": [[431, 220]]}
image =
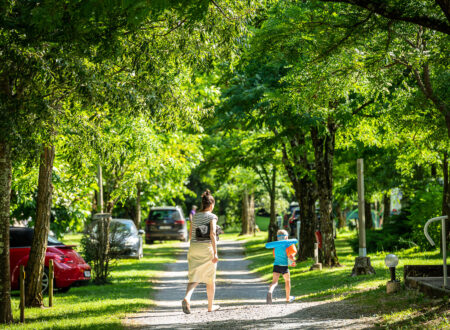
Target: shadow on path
{"points": [[241, 296]]}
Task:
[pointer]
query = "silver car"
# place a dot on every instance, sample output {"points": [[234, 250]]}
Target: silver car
{"points": [[124, 238]]}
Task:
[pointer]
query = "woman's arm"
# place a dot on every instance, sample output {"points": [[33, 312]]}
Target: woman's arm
{"points": [[212, 236]]}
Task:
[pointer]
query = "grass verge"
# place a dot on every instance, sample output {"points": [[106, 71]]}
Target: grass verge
{"points": [[368, 292], [102, 306]]}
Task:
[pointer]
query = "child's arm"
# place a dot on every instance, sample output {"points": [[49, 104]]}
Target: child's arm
{"points": [[291, 251]]}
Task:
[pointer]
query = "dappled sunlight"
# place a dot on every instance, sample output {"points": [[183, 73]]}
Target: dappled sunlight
{"points": [[336, 284]]}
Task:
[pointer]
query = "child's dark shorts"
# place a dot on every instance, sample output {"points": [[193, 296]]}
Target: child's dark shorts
{"points": [[280, 269]]}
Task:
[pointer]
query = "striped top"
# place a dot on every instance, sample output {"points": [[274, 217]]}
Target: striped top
{"points": [[199, 219]]}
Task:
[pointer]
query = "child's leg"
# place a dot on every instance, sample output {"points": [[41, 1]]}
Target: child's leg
{"points": [[272, 286], [287, 283]]}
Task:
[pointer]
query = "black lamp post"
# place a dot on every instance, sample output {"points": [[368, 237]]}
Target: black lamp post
{"points": [[391, 262]]}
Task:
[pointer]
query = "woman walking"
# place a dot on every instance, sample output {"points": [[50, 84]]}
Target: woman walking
{"points": [[202, 255]]}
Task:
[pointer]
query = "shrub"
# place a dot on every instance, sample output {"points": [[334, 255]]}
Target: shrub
{"points": [[426, 204], [395, 235], [406, 229]]}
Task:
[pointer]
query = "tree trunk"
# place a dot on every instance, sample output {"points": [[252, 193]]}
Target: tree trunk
{"points": [[103, 250], [446, 195], [137, 218], [248, 213], [433, 171], [323, 155], [424, 82], [110, 206], [342, 219], [251, 214], [245, 219], [387, 207], [100, 189], [298, 169], [368, 214], [35, 265], [308, 218], [5, 197], [272, 232]]}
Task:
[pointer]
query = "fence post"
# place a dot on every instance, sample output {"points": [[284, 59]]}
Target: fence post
{"points": [[317, 264], [50, 283], [22, 293]]}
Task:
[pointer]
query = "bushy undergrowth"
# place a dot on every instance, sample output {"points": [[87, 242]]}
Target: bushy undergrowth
{"points": [[406, 229], [426, 204], [395, 235]]}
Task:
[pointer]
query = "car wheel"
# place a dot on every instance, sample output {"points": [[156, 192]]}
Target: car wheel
{"points": [[149, 242], [45, 280]]}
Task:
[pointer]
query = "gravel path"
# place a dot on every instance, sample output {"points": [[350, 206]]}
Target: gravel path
{"points": [[241, 296]]}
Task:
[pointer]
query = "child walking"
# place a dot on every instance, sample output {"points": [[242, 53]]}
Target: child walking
{"points": [[284, 252]]}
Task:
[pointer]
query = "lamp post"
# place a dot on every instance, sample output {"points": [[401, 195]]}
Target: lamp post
{"points": [[391, 262]]}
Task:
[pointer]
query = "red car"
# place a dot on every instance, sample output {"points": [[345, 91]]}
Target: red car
{"points": [[69, 267]]}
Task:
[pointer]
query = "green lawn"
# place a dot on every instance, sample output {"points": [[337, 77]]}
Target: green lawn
{"points": [[102, 307], [397, 310], [262, 222]]}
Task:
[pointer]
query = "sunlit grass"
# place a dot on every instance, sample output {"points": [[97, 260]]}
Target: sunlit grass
{"points": [[102, 307], [336, 283]]}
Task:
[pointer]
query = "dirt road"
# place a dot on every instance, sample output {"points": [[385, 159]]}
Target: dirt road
{"points": [[241, 296]]}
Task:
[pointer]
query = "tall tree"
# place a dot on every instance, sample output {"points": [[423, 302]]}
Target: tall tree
{"points": [[434, 15], [5, 280], [82, 34], [35, 265]]}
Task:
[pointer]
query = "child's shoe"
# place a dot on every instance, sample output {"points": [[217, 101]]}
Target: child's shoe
{"points": [[291, 299], [269, 298]]}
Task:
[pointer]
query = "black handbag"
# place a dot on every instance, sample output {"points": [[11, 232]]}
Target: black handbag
{"points": [[203, 232]]}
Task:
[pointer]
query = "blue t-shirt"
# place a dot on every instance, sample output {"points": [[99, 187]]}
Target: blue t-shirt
{"points": [[280, 247]]}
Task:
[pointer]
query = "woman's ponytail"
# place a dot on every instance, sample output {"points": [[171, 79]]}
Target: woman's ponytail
{"points": [[207, 200]]}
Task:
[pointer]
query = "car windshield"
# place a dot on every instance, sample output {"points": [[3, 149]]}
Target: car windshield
{"points": [[125, 226], [23, 237], [164, 215], [53, 241]]}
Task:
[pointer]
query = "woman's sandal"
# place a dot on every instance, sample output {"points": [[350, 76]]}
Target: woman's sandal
{"points": [[214, 308], [186, 307]]}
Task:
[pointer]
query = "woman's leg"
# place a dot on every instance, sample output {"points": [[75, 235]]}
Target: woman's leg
{"points": [[287, 284], [210, 291], [189, 290]]}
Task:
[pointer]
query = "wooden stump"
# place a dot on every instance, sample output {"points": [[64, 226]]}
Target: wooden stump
{"points": [[317, 266], [362, 266], [392, 286]]}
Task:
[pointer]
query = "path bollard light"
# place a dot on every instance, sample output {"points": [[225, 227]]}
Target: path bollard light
{"points": [[391, 262]]}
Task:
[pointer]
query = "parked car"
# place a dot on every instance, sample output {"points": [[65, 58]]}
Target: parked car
{"points": [[165, 223], [124, 238], [69, 267]]}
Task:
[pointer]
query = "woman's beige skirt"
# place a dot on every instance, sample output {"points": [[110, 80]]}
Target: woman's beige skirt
{"points": [[201, 267]]}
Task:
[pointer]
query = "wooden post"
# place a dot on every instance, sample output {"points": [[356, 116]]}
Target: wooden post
{"points": [[361, 211], [316, 253], [317, 264], [22, 293], [362, 262], [50, 282]]}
